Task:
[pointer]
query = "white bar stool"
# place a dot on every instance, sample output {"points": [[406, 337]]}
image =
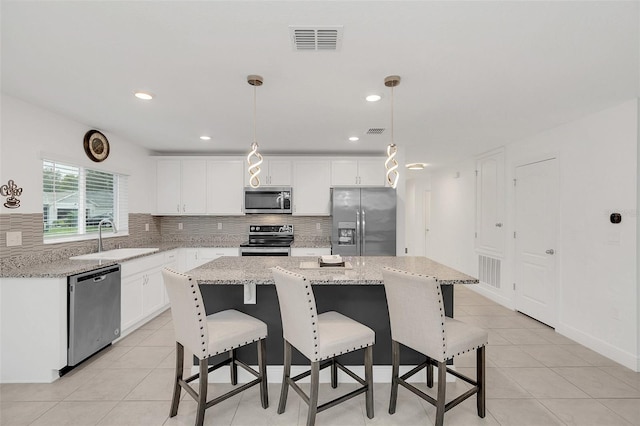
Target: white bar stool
{"points": [[416, 313], [207, 336], [319, 338]]}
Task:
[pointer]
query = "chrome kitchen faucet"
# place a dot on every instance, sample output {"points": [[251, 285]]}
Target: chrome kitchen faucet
{"points": [[103, 221]]}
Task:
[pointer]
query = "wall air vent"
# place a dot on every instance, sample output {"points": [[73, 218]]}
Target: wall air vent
{"points": [[375, 131], [489, 270], [314, 38]]}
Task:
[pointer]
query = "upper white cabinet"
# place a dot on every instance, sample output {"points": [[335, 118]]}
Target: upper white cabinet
{"points": [[225, 187], [273, 172], [490, 207], [181, 187], [311, 187], [363, 172]]}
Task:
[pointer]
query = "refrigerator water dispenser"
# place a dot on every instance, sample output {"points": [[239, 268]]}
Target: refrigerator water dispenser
{"points": [[346, 233]]}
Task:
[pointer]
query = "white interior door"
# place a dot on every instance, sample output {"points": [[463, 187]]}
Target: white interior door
{"points": [[536, 227], [426, 201]]}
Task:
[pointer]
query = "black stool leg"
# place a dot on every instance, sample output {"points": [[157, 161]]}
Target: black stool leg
{"points": [[442, 392], [202, 394], [178, 376], [233, 367], [368, 377], [313, 394], [480, 370], [285, 377], [262, 366], [395, 370], [334, 374], [429, 372]]}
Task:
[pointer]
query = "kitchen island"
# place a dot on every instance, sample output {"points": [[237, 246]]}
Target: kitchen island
{"points": [[357, 290]]}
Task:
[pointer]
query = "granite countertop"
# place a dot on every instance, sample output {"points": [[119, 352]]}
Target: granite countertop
{"points": [[365, 270], [64, 267]]}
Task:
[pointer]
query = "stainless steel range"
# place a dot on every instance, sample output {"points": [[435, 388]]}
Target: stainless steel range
{"points": [[268, 240]]}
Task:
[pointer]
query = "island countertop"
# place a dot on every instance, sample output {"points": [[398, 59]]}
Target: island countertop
{"points": [[365, 270]]}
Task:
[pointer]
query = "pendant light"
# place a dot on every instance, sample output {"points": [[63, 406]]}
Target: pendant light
{"points": [[254, 168], [391, 164]]}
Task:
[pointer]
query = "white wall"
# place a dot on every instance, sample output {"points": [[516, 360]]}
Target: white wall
{"points": [[598, 271], [28, 131]]}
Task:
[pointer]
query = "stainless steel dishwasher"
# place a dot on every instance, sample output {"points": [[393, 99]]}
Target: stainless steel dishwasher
{"points": [[94, 312]]}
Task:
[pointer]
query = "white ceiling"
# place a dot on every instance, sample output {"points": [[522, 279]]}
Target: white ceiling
{"points": [[475, 75]]}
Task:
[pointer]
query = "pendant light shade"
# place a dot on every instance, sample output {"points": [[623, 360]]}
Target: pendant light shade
{"points": [[254, 159], [391, 164]]}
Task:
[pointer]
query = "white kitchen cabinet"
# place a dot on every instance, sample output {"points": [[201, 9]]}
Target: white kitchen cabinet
{"points": [[273, 172], [311, 188], [225, 182], [362, 172], [310, 251], [143, 292], [194, 257], [181, 187], [490, 203]]}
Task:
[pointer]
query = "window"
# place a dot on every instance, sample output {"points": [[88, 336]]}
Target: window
{"points": [[75, 200]]}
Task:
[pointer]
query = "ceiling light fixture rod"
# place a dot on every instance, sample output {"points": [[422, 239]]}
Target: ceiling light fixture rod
{"points": [[254, 168]]}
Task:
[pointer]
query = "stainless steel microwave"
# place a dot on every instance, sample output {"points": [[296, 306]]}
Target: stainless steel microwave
{"points": [[270, 199]]}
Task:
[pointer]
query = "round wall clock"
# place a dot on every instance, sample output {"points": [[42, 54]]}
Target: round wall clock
{"points": [[96, 146]]}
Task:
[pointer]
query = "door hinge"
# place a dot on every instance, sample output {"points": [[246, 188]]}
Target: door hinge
{"points": [[476, 234], [514, 182], [514, 286], [476, 173], [514, 234]]}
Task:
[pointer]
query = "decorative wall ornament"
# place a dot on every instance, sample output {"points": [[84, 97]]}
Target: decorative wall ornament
{"points": [[391, 164], [12, 192], [254, 168], [96, 146]]}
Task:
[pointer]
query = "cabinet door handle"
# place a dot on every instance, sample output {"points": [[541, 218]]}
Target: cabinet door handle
{"points": [[178, 208], [184, 207]]}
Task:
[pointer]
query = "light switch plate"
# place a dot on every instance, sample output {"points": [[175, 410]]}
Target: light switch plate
{"points": [[180, 226], [14, 238], [219, 225], [146, 227]]}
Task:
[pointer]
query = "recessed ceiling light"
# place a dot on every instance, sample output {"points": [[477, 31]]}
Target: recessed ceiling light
{"points": [[205, 138], [416, 166], [354, 138], [143, 95], [373, 98]]}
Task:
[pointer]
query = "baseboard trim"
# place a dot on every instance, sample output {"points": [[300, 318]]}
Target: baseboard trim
{"points": [[620, 356], [490, 293]]}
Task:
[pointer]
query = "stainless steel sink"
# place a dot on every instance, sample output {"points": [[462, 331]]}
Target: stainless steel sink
{"points": [[116, 254]]}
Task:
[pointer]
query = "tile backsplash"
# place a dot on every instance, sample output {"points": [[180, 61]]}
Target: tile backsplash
{"points": [[196, 230]]}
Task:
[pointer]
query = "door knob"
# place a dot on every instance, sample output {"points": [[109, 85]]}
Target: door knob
{"points": [[550, 251]]}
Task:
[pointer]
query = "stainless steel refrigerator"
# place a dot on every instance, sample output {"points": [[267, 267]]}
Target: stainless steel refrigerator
{"points": [[364, 221]]}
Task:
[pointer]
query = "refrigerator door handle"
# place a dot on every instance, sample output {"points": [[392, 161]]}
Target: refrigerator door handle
{"points": [[364, 238], [358, 234]]}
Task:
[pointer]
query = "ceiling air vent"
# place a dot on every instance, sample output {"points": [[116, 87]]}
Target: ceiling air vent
{"points": [[312, 38], [375, 131]]}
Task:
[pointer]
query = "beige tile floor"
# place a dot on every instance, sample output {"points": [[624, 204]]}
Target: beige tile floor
{"points": [[534, 377]]}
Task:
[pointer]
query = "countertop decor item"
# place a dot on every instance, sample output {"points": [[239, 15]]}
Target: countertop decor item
{"points": [[96, 146], [11, 191], [391, 164], [254, 168]]}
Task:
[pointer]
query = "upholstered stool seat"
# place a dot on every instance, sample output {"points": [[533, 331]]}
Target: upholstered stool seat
{"points": [[207, 336], [416, 314], [319, 338]]}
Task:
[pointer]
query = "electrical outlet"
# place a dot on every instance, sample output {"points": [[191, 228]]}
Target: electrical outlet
{"points": [[180, 226], [146, 227], [219, 225], [14, 238], [318, 228]]}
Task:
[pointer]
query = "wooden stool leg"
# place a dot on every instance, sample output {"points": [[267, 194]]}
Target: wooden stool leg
{"points": [[233, 367], [178, 376], [285, 377], [202, 394], [395, 370], [368, 377], [480, 369], [442, 392], [262, 367], [313, 394]]}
